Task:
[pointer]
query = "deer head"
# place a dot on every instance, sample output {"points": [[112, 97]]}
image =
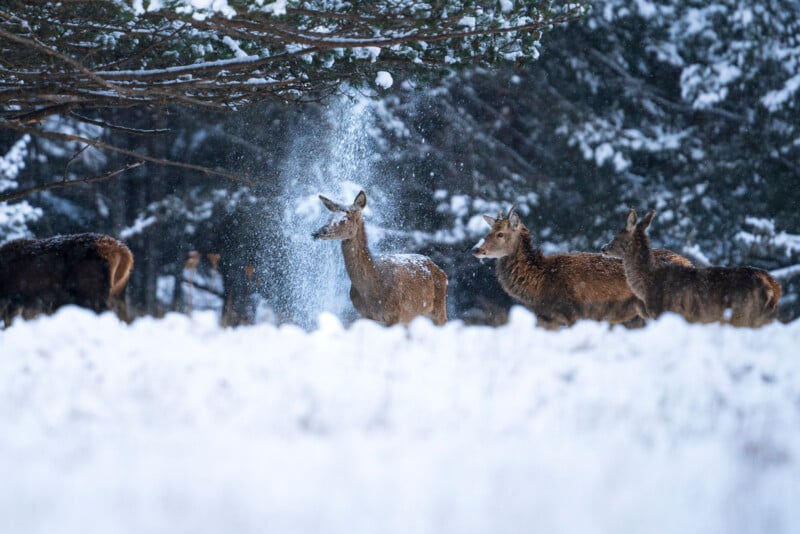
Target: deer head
{"points": [[622, 242], [344, 221], [502, 238]]}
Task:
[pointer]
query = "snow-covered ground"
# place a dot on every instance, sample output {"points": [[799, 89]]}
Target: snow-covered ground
{"points": [[178, 426]]}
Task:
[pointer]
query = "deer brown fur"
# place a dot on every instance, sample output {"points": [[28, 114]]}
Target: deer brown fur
{"points": [[389, 289], [40, 275], [740, 296], [561, 288]]}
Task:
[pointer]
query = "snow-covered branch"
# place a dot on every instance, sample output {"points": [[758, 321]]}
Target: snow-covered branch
{"points": [[56, 57]]}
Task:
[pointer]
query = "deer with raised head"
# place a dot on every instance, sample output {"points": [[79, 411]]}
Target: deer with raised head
{"points": [[392, 288], [561, 288], [40, 275], [740, 296]]}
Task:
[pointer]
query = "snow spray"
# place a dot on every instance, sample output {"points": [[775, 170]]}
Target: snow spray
{"points": [[335, 161]]}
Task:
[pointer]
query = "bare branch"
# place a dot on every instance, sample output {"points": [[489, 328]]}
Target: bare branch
{"points": [[114, 127], [71, 159], [106, 146], [20, 194]]}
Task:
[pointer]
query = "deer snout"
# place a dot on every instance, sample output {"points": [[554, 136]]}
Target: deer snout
{"points": [[611, 249], [478, 251], [319, 234]]}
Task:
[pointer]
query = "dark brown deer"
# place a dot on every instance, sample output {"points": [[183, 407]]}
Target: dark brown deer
{"points": [[562, 288], [740, 296], [41, 275], [389, 289]]}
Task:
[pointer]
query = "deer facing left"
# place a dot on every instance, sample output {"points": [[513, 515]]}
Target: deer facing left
{"points": [[40, 275], [740, 296], [392, 288]]}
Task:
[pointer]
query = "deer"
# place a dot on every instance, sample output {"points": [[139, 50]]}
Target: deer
{"points": [[389, 289], [40, 275], [739, 296], [561, 288]]}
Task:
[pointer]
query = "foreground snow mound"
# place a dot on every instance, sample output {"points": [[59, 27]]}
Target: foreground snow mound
{"points": [[176, 425]]}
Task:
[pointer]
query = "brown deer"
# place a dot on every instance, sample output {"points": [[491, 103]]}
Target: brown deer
{"points": [[41, 275], [389, 289], [740, 296], [561, 288]]}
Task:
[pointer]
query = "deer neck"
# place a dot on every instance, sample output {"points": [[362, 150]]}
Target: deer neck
{"points": [[638, 264], [359, 262], [521, 270], [524, 252]]}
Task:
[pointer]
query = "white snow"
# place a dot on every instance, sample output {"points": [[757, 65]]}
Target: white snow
{"points": [[477, 226], [773, 100], [602, 153], [696, 254], [646, 8], [176, 425], [13, 163], [139, 225], [276, 8], [384, 79], [235, 47], [468, 21], [14, 218]]}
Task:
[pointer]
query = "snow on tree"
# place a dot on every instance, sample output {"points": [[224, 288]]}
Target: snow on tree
{"points": [[14, 218], [61, 58]]}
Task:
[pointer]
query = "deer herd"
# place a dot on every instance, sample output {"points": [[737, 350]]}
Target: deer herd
{"points": [[627, 282]]}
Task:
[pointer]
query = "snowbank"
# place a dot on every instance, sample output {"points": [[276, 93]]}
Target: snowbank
{"points": [[176, 425]]}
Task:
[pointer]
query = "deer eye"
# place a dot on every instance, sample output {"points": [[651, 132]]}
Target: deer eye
{"points": [[500, 234]]}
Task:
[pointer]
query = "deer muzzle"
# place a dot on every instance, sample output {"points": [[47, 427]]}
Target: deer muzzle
{"points": [[609, 249], [478, 251], [322, 233]]}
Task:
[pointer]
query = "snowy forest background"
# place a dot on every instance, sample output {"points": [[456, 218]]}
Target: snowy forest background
{"points": [[687, 107]]}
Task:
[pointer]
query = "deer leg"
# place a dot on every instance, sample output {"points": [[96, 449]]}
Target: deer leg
{"points": [[440, 300], [7, 311], [636, 322], [117, 304], [548, 323]]}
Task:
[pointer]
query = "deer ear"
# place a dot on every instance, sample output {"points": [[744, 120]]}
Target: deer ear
{"points": [[630, 222], [513, 219], [330, 204], [490, 220], [361, 201], [647, 219]]}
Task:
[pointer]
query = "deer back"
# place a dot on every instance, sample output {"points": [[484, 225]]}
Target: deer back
{"points": [[741, 296], [409, 285], [41, 275]]}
